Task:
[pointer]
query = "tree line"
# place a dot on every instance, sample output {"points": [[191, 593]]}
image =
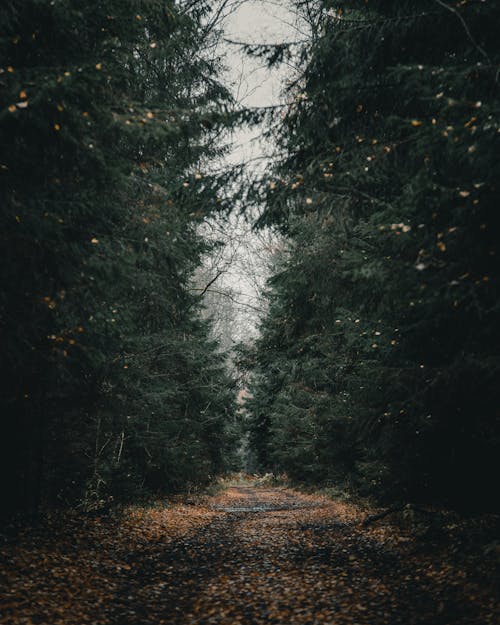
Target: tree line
{"points": [[378, 367], [111, 385]]}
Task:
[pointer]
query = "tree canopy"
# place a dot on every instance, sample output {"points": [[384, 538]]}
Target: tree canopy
{"points": [[110, 383], [378, 364]]}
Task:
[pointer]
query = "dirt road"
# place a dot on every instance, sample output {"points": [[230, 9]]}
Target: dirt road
{"points": [[249, 555], [272, 556]]}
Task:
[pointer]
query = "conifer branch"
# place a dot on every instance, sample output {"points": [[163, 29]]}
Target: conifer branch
{"points": [[465, 26]]}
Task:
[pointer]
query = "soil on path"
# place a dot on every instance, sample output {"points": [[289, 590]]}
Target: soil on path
{"points": [[251, 556]]}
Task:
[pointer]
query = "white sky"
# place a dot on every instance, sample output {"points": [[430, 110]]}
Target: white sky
{"points": [[256, 21], [245, 260]]}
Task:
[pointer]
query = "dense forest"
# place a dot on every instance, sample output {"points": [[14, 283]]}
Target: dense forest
{"points": [[376, 368], [111, 384], [249, 312]]}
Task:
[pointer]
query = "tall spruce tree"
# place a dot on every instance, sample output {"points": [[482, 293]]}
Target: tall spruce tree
{"points": [[110, 384], [378, 362]]}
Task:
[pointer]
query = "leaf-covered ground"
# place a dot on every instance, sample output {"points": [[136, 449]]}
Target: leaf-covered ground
{"points": [[250, 555]]}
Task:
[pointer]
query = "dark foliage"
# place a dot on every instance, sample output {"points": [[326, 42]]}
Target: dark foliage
{"points": [[110, 384], [378, 363]]}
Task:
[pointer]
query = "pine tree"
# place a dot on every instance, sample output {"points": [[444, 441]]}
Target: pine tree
{"points": [[385, 312], [110, 383]]}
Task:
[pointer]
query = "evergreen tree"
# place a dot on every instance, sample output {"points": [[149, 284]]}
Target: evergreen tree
{"points": [[378, 361], [109, 381]]}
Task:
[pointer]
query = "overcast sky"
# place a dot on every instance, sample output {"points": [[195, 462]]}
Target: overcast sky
{"points": [[246, 256], [257, 21]]}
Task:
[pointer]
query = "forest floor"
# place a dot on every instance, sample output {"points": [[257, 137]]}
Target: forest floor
{"points": [[248, 556]]}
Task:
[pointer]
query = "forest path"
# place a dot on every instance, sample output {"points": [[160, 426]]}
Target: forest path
{"points": [[248, 555], [272, 555]]}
